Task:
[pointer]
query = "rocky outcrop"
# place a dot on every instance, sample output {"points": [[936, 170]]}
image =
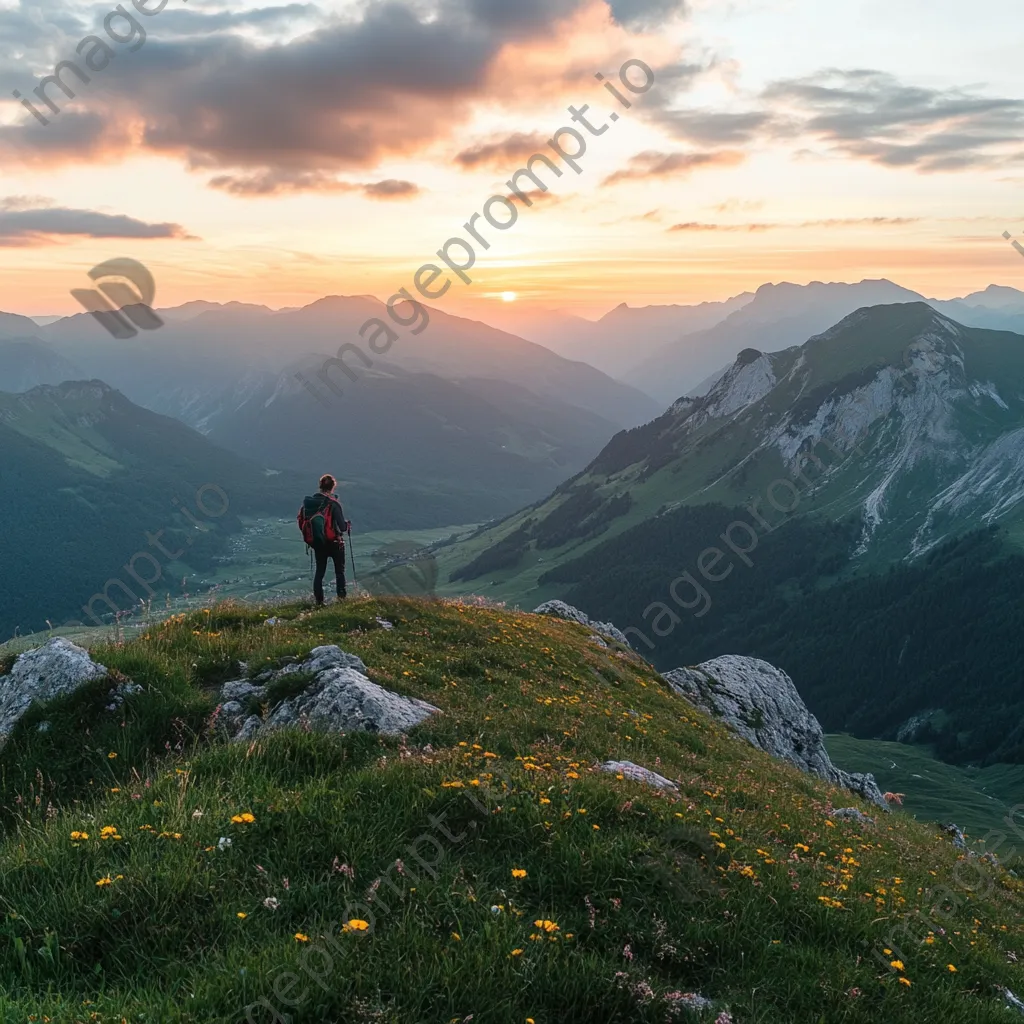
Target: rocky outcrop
{"points": [[760, 703], [1012, 1002], [54, 670], [956, 834], [561, 610], [852, 814], [338, 697], [636, 773], [916, 728]]}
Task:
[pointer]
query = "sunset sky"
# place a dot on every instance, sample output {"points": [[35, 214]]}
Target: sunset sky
{"points": [[278, 154]]}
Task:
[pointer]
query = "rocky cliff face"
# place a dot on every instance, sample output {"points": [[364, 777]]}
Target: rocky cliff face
{"points": [[898, 414], [760, 703]]}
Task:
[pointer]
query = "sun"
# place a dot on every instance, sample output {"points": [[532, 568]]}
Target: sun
{"points": [[509, 296]]}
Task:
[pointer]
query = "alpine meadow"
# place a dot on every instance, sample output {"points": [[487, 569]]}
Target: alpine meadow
{"points": [[511, 513]]}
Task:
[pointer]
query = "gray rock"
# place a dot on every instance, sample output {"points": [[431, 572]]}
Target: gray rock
{"points": [[242, 690], [119, 692], [916, 727], [561, 610], [250, 729], [344, 700], [638, 774], [1012, 1001], [760, 703], [852, 814], [322, 658], [960, 842], [54, 670], [339, 698], [232, 713], [956, 834]]}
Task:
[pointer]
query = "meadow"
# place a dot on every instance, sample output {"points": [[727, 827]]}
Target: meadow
{"points": [[481, 869]]}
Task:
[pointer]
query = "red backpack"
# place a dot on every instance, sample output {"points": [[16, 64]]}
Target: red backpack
{"points": [[316, 521]]}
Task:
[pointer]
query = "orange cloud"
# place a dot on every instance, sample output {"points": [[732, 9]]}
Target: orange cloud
{"points": [[652, 164]]}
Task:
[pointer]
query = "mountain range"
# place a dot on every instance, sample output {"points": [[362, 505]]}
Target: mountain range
{"points": [[810, 492], [859, 489]]}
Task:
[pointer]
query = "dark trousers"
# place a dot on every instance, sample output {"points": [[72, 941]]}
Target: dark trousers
{"points": [[337, 555]]}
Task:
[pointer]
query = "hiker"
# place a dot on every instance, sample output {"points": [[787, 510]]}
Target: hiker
{"points": [[323, 525]]}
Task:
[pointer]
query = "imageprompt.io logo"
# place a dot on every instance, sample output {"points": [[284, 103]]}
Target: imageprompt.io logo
{"points": [[117, 305]]}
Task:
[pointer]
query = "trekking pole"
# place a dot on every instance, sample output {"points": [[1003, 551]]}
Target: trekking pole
{"points": [[352, 554]]}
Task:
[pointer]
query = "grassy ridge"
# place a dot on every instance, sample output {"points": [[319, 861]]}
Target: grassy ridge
{"points": [[453, 845]]}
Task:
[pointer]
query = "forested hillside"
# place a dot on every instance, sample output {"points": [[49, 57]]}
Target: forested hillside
{"points": [[91, 481], [868, 651]]}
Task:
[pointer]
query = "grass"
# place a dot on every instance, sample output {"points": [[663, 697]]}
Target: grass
{"points": [[454, 843], [976, 799], [267, 564]]}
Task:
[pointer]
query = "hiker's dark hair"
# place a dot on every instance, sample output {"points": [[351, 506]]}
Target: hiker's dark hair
{"points": [[327, 483]]}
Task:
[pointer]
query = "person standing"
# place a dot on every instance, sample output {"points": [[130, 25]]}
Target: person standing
{"points": [[323, 525]]}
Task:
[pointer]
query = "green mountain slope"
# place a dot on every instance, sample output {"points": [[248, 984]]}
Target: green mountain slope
{"points": [[897, 416], [484, 868], [763, 517], [447, 452], [89, 480], [977, 799]]}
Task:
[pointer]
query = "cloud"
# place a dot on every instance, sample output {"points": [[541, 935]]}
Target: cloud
{"points": [[711, 128], [645, 12], [872, 115], [73, 137], [184, 22], [860, 114], [282, 182], [652, 164], [391, 188], [844, 222], [349, 93], [500, 153], [538, 195], [695, 226], [21, 226], [837, 222], [279, 182]]}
